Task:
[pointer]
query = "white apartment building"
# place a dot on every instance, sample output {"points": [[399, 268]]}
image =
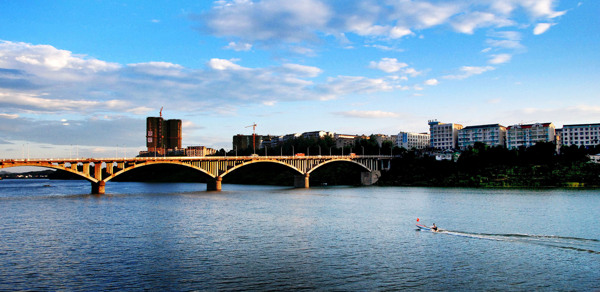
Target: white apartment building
{"points": [[491, 135], [528, 135], [443, 136], [412, 140], [581, 135]]}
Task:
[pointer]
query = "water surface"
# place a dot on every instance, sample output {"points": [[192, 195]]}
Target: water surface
{"points": [[139, 236]]}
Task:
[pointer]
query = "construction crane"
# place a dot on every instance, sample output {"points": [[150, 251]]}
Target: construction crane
{"points": [[161, 111], [253, 136]]}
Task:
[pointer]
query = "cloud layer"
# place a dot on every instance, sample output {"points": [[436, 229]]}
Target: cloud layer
{"points": [[308, 21], [45, 84]]}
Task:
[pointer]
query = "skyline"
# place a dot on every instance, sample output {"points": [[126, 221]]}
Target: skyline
{"points": [[89, 74]]}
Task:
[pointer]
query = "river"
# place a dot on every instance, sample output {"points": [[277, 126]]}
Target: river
{"points": [[54, 235]]}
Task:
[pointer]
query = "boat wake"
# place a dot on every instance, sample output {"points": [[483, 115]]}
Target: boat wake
{"points": [[563, 242]]}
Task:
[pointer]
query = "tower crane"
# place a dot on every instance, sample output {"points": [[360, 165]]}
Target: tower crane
{"points": [[161, 111], [253, 136]]}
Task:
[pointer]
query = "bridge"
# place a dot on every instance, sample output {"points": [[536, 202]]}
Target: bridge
{"points": [[99, 171]]}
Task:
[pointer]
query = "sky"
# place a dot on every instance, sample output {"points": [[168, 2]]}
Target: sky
{"points": [[79, 78]]}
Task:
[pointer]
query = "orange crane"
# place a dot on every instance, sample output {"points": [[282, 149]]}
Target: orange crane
{"points": [[253, 136], [161, 111]]}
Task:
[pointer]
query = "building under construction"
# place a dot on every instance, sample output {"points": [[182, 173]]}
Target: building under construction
{"points": [[163, 136]]}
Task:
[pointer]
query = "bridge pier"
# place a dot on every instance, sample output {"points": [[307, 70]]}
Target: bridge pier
{"points": [[302, 181], [370, 177], [98, 188], [214, 185]]}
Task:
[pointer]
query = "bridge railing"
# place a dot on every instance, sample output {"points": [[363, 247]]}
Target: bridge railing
{"points": [[163, 158]]}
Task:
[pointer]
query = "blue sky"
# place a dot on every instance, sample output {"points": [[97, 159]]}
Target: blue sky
{"points": [[80, 77]]}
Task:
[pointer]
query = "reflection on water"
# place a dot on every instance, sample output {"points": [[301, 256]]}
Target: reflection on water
{"points": [[179, 237]]}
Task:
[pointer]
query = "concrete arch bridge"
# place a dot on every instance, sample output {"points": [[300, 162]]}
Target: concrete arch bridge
{"points": [[101, 170]]}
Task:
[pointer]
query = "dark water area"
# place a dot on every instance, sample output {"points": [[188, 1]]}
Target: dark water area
{"points": [[177, 236]]}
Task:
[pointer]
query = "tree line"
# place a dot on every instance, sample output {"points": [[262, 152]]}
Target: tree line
{"points": [[540, 165]]}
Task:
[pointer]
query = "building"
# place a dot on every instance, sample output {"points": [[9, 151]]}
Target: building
{"points": [[443, 136], [154, 134], [413, 140], [162, 135], [343, 140], [490, 135], [529, 135], [581, 135], [317, 134], [241, 142], [199, 151], [173, 135]]}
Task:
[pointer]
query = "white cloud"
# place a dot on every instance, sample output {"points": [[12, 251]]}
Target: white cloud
{"points": [[399, 32], [391, 65], [343, 85], [302, 70], [541, 28], [47, 62], [140, 110], [467, 23], [368, 114], [157, 68], [541, 8], [8, 116], [385, 48], [468, 71], [431, 82], [31, 102], [388, 65], [500, 58], [221, 64], [239, 46]]}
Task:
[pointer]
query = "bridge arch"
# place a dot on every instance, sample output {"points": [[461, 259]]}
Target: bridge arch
{"points": [[260, 161], [338, 160], [53, 166], [150, 163]]}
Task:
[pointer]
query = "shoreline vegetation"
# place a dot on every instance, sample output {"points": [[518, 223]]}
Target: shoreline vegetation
{"points": [[539, 166]]}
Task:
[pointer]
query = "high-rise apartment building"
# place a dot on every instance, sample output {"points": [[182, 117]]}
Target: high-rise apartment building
{"points": [[491, 135], [529, 135], [241, 142], [581, 135], [444, 136], [162, 136], [173, 134], [413, 140]]}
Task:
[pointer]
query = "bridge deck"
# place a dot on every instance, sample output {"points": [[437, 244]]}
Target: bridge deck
{"points": [[100, 170]]}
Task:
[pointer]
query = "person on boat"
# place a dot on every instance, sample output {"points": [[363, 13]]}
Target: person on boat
{"points": [[434, 228]]}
